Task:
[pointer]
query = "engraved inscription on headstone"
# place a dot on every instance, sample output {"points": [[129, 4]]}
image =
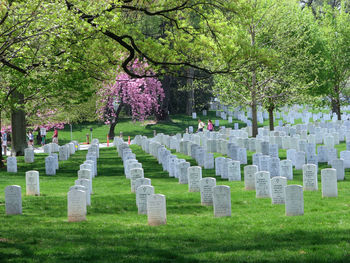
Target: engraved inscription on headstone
{"points": [[222, 200], [206, 186]]}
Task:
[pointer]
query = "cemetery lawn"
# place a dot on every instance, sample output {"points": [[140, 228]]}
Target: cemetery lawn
{"points": [[176, 124], [256, 232]]}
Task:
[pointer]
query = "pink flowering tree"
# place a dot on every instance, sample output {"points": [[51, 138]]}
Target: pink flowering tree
{"points": [[46, 118], [142, 95]]}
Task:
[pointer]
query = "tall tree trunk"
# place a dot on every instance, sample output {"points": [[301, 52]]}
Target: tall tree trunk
{"points": [[18, 123], [111, 133], [254, 106], [1, 157], [254, 119], [164, 107], [270, 110], [190, 99], [336, 102], [253, 90]]}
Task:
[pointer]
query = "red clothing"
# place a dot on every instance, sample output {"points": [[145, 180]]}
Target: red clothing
{"points": [[55, 134]]}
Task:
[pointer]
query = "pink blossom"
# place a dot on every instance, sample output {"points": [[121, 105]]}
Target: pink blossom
{"points": [[142, 95]]}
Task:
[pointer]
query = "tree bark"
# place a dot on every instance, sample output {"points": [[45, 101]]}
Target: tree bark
{"points": [[253, 90], [270, 110], [254, 106], [111, 133], [164, 107], [190, 99], [18, 123], [336, 102]]}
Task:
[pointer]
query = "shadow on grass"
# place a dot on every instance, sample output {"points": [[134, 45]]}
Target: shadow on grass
{"points": [[162, 244]]}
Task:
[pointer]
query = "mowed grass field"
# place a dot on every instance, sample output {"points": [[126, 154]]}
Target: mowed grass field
{"points": [[114, 232]]}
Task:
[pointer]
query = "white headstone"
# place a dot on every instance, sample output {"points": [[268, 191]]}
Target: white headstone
{"points": [[86, 174], [219, 161], [299, 160], [329, 182], [29, 155], [50, 165], [141, 181], [274, 167], [221, 200], [286, 169], [47, 148], [11, 164], [86, 184], [62, 153], [294, 200], [234, 171], [310, 177], [249, 176], [13, 200], [135, 173], [32, 183], [183, 172], [55, 157], [194, 177], [338, 165], [208, 161], [76, 205], [262, 184], [156, 209], [277, 189], [206, 189], [142, 192]]}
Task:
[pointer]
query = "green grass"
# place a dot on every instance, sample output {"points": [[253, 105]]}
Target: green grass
{"points": [[256, 232], [177, 124]]}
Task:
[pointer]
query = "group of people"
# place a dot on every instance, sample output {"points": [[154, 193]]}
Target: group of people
{"points": [[40, 139], [201, 126]]}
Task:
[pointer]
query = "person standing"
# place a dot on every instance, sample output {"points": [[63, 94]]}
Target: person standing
{"points": [[201, 126], [8, 139], [55, 136], [4, 142], [210, 126], [30, 138], [38, 138]]}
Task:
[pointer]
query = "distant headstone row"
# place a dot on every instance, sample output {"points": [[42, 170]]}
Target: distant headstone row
{"points": [[267, 176], [79, 195], [147, 202]]}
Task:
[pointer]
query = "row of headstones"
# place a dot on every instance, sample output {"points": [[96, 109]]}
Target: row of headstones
{"points": [[219, 196], [13, 193], [64, 152], [51, 162], [79, 195], [288, 114], [211, 195], [232, 169], [265, 163], [237, 153], [13, 199], [147, 202]]}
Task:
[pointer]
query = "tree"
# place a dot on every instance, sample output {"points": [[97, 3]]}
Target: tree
{"points": [[266, 39], [39, 50], [334, 60], [143, 95]]}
